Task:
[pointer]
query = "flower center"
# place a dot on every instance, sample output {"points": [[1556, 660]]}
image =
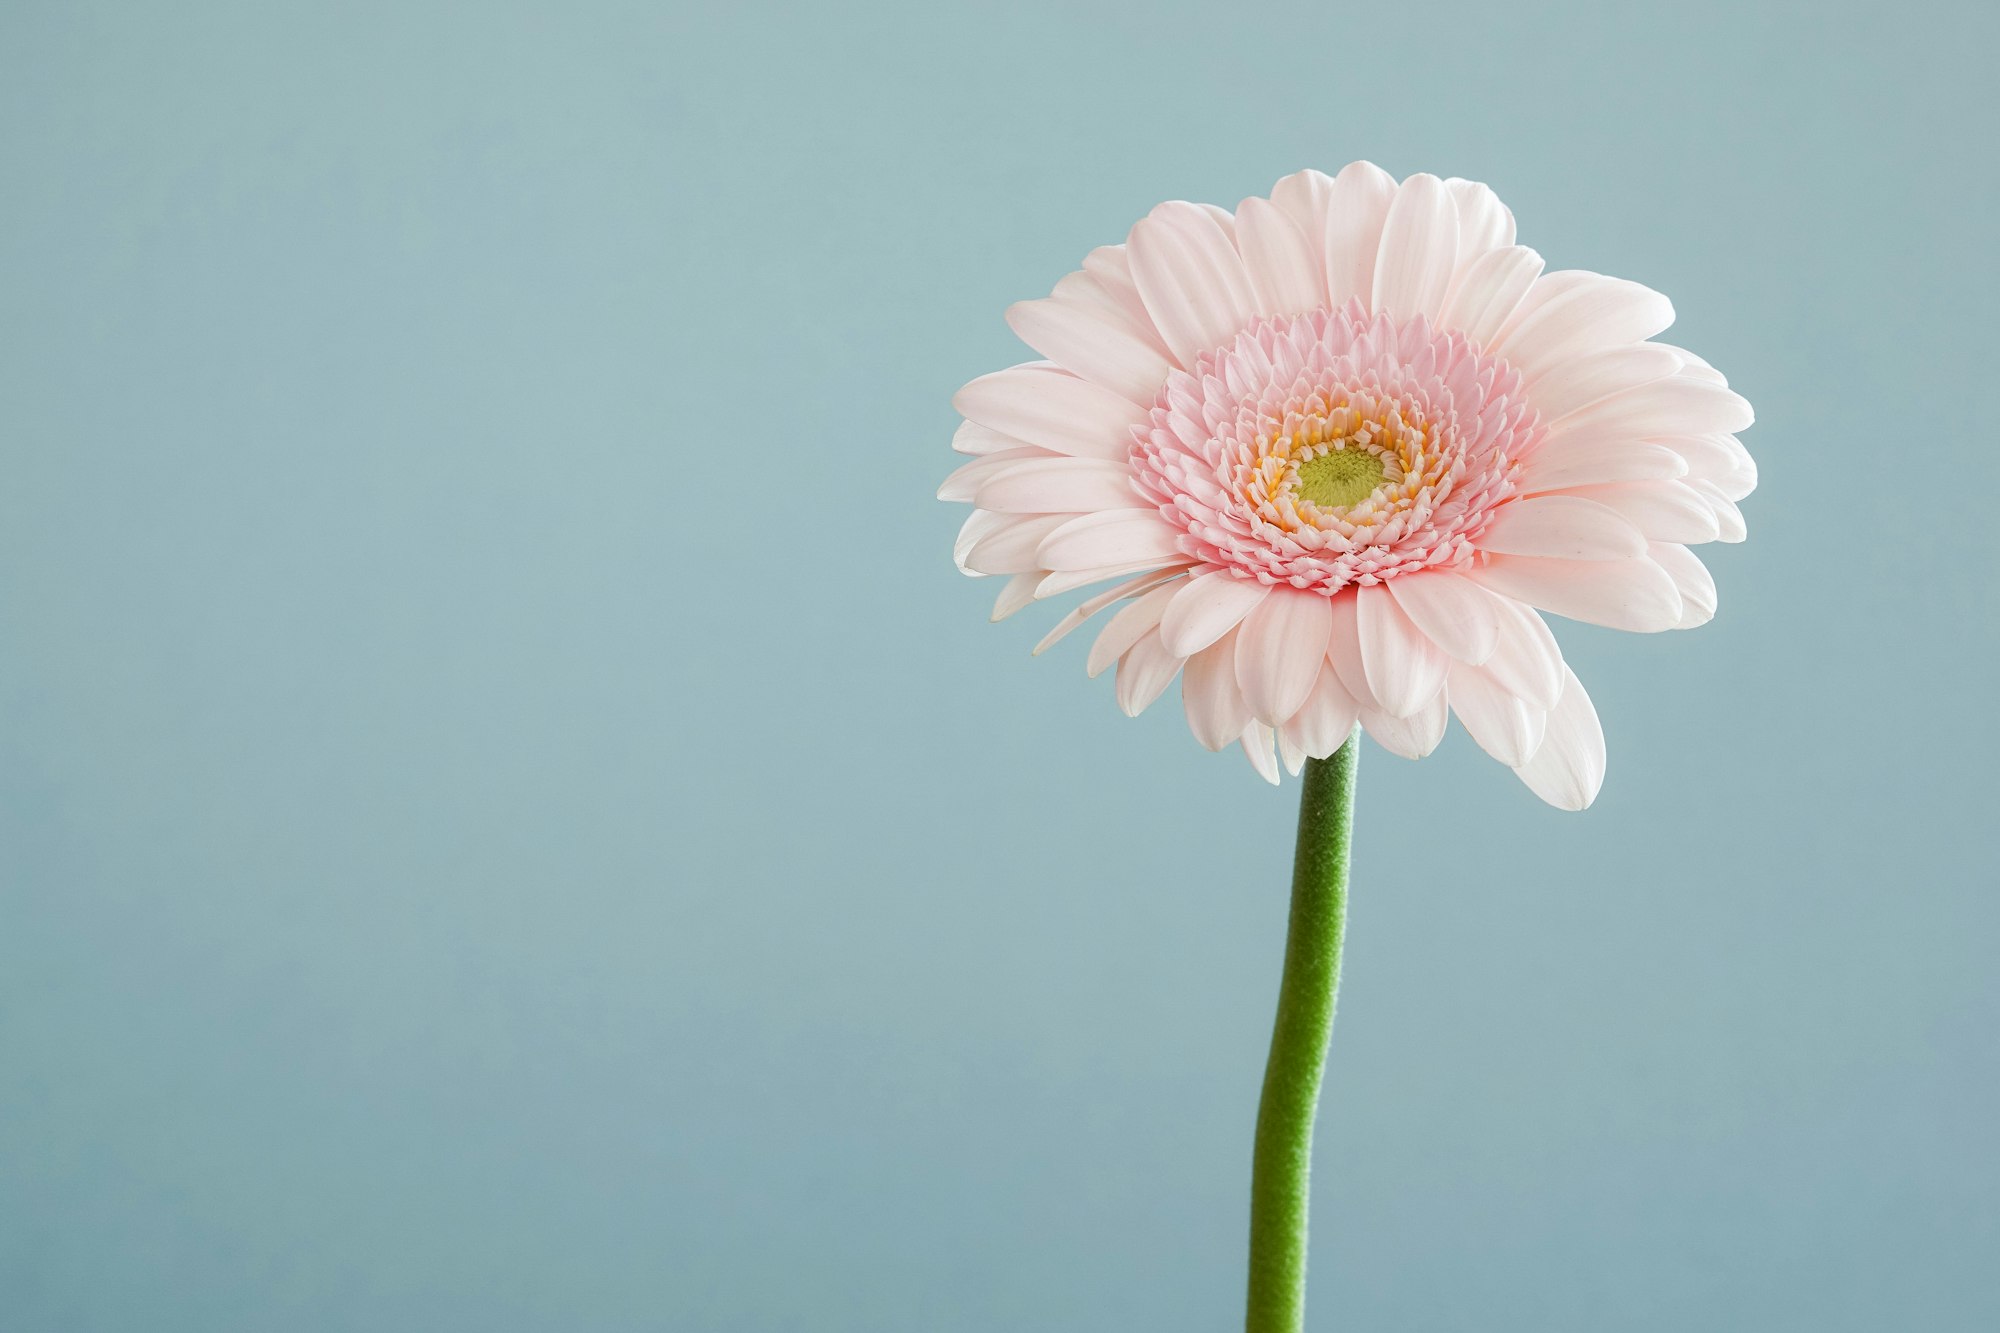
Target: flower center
{"points": [[1340, 477], [1335, 447]]}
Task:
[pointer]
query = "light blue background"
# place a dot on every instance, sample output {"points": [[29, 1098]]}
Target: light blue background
{"points": [[510, 821]]}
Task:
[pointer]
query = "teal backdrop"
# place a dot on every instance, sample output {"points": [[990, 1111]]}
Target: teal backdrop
{"points": [[509, 819]]}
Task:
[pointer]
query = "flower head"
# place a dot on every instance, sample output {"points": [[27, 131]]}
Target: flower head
{"points": [[1341, 448]]}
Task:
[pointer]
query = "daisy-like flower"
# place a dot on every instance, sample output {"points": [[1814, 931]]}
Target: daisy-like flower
{"points": [[1342, 447]]}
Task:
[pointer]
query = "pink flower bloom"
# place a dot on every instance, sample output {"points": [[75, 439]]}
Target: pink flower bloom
{"points": [[1341, 448]]}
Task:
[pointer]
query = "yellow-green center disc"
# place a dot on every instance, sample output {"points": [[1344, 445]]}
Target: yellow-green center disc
{"points": [[1340, 477]]}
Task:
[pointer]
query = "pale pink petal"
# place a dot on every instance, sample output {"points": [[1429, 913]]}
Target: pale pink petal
{"points": [[1305, 197], [1666, 511], [1109, 267], [1453, 612], [1414, 736], [1356, 210], [1728, 518], [1191, 278], [1343, 648], [1011, 547], [1145, 582], [1285, 267], [1547, 288], [1060, 486], [1111, 299], [1207, 607], [1144, 674], [1018, 593], [1632, 595], [1591, 378], [1734, 529], [1419, 249], [973, 438], [1256, 740], [1584, 462], [1325, 721], [1488, 290], [1484, 223], [1114, 537], [978, 526], [1568, 768], [1676, 405], [1289, 752], [1538, 724], [1581, 315], [1216, 711], [1694, 367], [1719, 460], [1526, 661], [1404, 668], [1696, 584], [1098, 349], [1731, 488], [1044, 406], [1058, 582], [1135, 620], [1501, 723], [1280, 650], [1713, 455], [1564, 527], [964, 481]]}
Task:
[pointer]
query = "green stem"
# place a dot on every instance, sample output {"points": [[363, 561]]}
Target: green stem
{"points": [[1281, 1169]]}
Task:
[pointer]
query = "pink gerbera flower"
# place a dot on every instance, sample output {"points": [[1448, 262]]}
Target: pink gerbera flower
{"points": [[1343, 447]]}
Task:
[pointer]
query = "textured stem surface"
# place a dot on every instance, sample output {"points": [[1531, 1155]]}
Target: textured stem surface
{"points": [[1281, 1170]]}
